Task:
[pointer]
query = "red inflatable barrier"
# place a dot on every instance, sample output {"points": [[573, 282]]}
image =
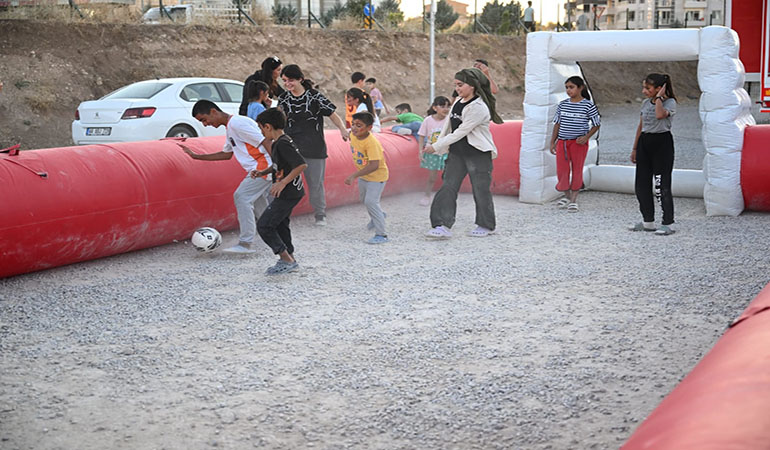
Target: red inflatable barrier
{"points": [[755, 165], [71, 204], [724, 402]]}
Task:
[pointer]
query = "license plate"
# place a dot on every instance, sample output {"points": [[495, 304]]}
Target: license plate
{"points": [[104, 131]]}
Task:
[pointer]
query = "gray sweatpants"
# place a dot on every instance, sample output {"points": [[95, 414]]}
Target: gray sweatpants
{"points": [[251, 199], [314, 180], [370, 192]]}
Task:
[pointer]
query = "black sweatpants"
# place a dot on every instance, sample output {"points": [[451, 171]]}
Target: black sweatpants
{"points": [[655, 161], [478, 166], [273, 225]]}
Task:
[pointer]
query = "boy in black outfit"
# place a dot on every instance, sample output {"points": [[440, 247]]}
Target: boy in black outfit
{"points": [[287, 188]]}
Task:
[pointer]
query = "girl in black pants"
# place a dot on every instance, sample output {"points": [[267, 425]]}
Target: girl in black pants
{"points": [[653, 153]]}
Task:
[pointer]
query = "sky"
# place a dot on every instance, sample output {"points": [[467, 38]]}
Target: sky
{"points": [[413, 8]]}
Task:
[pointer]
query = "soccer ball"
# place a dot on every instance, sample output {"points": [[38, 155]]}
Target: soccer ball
{"points": [[206, 239]]}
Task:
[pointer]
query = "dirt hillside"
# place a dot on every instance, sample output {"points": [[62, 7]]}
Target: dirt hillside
{"points": [[48, 68]]}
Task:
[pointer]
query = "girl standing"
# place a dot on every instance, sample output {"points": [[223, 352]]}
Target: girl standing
{"points": [[362, 102], [429, 131], [653, 153], [269, 73], [570, 139], [305, 109], [257, 92], [471, 150]]}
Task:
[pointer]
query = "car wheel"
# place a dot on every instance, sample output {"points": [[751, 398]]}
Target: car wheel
{"points": [[181, 131]]}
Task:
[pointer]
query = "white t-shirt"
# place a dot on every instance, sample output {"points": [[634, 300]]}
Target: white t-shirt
{"points": [[377, 127], [244, 139], [529, 15], [431, 128]]}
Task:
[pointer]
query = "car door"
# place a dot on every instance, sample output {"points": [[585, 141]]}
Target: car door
{"points": [[232, 93], [204, 90]]}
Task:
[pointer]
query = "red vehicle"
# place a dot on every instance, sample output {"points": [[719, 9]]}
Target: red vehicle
{"points": [[751, 20]]}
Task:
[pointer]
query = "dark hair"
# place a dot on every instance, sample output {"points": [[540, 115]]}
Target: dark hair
{"points": [[483, 61], [366, 117], [577, 81], [273, 117], [404, 106], [204, 107], [268, 66], [293, 72], [356, 77], [658, 80], [362, 97], [255, 88], [455, 94], [370, 80], [438, 101]]}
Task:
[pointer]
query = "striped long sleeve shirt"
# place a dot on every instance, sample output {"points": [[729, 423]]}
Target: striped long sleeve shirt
{"points": [[573, 118]]}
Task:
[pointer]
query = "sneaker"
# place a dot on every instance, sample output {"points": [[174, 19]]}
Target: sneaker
{"points": [[425, 201], [480, 232], [664, 230], [404, 131], [282, 267], [378, 239], [320, 221], [439, 232], [240, 249], [642, 226]]}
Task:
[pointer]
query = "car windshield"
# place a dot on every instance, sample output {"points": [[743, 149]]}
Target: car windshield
{"points": [[137, 90]]}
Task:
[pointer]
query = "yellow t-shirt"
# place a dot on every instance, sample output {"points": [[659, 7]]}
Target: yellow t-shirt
{"points": [[369, 149]]}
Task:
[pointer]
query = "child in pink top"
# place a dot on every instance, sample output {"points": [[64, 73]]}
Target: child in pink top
{"points": [[376, 95], [427, 134]]}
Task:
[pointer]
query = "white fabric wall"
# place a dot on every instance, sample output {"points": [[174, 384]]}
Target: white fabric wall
{"points": [[724, 106]]}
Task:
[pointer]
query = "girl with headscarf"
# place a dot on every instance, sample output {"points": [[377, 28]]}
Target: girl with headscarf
{"points": [[467, 139]]}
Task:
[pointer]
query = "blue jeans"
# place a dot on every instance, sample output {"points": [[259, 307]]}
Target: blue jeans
{"points": [[414, 127]]}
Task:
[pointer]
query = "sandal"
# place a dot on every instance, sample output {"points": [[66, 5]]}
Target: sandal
{"points": [[439, 232], [639, 226], [480, 232], [573, 207], [664, 230], [562, 203]]}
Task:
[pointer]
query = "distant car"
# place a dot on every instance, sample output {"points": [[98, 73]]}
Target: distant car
{"points": [[178, 13], [153, 109]]}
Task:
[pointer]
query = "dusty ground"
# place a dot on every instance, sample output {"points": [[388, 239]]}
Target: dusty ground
{"points": [[48, 68], [560, 331]]}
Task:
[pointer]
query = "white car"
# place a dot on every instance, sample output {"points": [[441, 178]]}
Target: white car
{"points": [[178, 13], [153, 109]]}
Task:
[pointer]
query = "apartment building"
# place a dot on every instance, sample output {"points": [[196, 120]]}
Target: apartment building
{"points": [[647, 14]]}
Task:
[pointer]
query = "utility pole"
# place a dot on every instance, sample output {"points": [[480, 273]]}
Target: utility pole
{"points": [[475, 11]]}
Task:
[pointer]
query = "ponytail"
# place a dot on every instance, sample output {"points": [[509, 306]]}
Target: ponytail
{"points": [[577, 81], [362, 97], [658, 80], [438, 101], [293, 72]]}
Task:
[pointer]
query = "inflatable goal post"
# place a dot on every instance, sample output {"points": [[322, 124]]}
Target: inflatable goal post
{"points": [[725, 108]]}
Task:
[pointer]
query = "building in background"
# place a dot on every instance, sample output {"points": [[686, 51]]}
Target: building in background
{"points": [[650, 14]]}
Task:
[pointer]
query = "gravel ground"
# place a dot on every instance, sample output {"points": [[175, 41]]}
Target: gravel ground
{"points": [[618, 129], [560, 331]]}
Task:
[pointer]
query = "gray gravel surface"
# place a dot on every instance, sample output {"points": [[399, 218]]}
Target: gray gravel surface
{"points": [[560, 331], [619, 122]]}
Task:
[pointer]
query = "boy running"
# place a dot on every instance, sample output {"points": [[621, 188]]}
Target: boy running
{"points": [[372, 172], [251, 149]]}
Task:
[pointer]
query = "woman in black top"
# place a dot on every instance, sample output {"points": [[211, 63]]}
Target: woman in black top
{"points": [[269, 73], [305, 109]]}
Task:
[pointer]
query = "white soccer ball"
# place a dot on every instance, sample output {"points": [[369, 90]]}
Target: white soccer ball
{"points": [[206, 239]]}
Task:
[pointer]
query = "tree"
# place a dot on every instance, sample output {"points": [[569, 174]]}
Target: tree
{"points": [[445, 15], [389, 11], [493, 16], [335, 12], [284, 15]]}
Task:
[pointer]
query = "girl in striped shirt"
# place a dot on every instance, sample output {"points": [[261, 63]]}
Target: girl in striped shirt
{"points": [[569, 142]]}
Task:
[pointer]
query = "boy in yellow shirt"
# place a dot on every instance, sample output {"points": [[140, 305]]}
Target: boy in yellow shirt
{"points": [[372, 172]]}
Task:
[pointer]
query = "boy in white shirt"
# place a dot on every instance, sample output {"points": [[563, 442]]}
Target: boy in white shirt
{"points": [[252, 150]]}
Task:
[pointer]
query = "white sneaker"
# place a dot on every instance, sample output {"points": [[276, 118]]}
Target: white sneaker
{"points": [[239, 249], [404, 131], [320, 221]]}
